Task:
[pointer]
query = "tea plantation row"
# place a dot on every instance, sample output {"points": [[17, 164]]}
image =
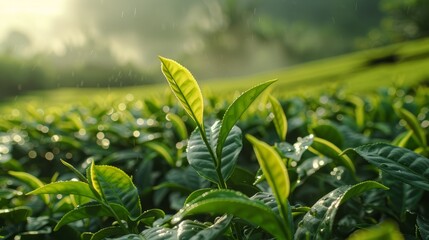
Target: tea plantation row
{"points": [[332, 166]]}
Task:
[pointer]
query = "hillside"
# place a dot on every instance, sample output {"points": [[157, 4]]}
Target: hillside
{"points": [[401, 64]]}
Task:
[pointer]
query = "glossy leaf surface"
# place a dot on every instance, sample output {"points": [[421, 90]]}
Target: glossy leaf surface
{"points": [[16, 215], [201, 160], [296, 150], [317, 223], [66, 187], [185, 87], [403, 197], [328, 132], [401, 163], [328, 149], [115, 186], [107, 233], [237, 204], [214, 231], [235, 110], [423, 225], [91, 210], [274, 171]]}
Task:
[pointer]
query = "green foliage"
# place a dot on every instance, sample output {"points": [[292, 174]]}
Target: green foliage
{"points": [[385, 230], [400, 163], [132, 169], [276, 174], [317, 223]]}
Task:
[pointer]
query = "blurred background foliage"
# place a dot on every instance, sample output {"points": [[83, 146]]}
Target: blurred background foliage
{"points": [[102, 44]]}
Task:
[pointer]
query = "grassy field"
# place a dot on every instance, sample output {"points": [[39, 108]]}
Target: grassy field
{"points": [[401, 64]]}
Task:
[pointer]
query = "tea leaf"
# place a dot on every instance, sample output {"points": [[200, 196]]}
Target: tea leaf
{"points": [[185, 87], [162, 150], [75, 171], [155, 213], [329, 133], [107, 232], [178, 124], [400, 163], [91, 210], [215, 231], [201, 160], [403, 197], [235, 110], [115, 186], [423, 225], [328, 149], [317, 223], [237, 204], [65, 188], [414, 125], [16, 215], [32, 181], [280, 120], [276, 174]]}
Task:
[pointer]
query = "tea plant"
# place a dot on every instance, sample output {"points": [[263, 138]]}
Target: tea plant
{"points": [[332, 167]]}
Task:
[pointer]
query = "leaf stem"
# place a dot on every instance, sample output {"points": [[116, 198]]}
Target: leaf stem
{"points": [[121, 224]]}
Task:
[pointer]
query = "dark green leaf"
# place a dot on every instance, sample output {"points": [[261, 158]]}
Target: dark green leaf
{"points": [[107, 232], [201, 160], [151, 213], [214, 231], [197, 193], [328, 132], [15, 215], [317, 223], [400, 163], [91, 210], [404, 197], [237, 204], [157, 233], [423, 225], [140, 237]]}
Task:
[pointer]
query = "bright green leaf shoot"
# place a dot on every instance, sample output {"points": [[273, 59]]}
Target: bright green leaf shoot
{"points": [[280, 120], [185, 88]]}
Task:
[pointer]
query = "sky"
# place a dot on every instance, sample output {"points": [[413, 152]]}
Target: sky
{"points": [[124, 28], [138, 31], [35, 18]]}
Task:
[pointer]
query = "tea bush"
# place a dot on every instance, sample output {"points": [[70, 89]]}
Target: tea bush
{"points": [[332, 166]]}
